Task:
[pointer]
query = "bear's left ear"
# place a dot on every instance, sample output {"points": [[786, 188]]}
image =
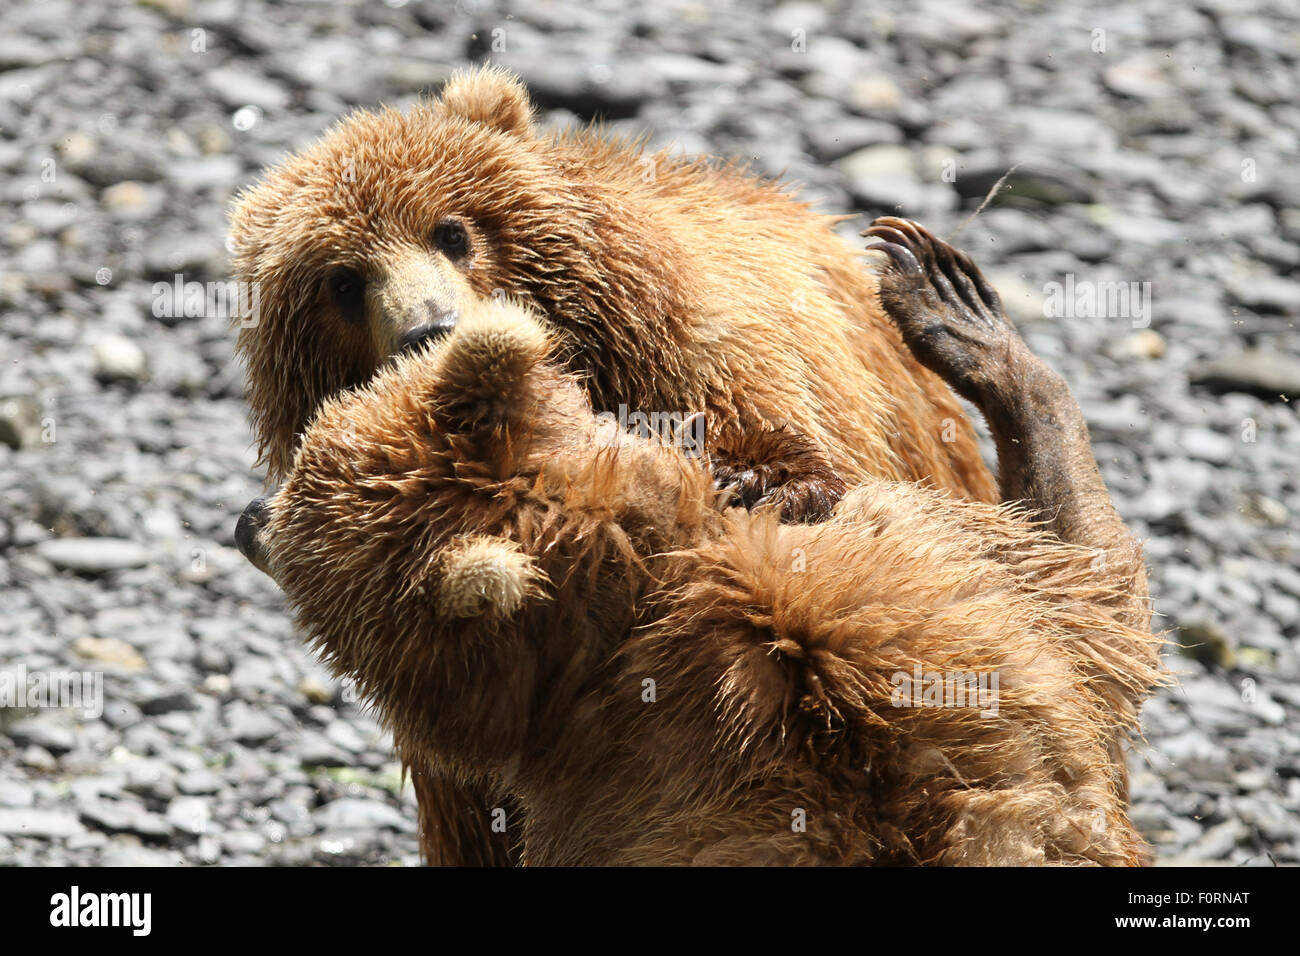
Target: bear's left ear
{"points": [[493, 96]]}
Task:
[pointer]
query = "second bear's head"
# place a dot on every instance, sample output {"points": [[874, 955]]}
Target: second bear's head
{"points": [[376, 238], [427, 512], [435, 447]]}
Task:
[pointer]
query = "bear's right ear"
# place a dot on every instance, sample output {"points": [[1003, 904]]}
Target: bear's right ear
{"points": [[493, 96]]}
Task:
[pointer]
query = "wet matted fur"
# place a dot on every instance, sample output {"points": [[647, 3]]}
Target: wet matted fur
{"points": [[537, 604]]}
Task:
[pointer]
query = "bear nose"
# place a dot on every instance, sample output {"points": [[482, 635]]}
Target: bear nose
{"points": [[416, 336], [249, 528]]}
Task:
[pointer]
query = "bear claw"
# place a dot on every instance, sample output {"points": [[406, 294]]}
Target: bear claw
{"points": [[949, 315]]}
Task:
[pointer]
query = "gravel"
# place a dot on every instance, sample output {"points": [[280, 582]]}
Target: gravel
{"points": [[1150, 145]]}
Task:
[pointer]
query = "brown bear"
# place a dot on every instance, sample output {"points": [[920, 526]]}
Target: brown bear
{"points": [[672, 286], [536, 602]]}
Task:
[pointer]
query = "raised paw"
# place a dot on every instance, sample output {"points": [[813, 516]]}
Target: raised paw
{"points": [[781, 468], [949, 315]]}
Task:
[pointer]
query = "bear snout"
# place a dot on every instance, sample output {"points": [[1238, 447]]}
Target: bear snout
{"points": [[414, 338], [248, 532]]}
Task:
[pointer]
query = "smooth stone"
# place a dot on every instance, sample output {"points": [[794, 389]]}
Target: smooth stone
{"points": [[198, 781], [20, 421], [236, 88], [110, 650], [355, 814], [129, 853], [50, 824], [117, 358], [115, 817], [92, 555], [43, 732], [1269, 375], [189, 814]]}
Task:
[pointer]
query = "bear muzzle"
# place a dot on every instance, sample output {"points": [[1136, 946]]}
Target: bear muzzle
{"points": [[415, 299], [248, 532], [415, 337]]}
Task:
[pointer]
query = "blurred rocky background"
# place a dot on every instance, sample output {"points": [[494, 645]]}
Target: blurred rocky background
{"points": [[1155, 153]]}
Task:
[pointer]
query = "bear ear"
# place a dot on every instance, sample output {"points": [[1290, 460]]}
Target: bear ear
{"points": [[486, 370], [486, 576], [493, 96]]}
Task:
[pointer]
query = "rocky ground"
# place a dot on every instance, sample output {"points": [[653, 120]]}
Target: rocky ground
{"points": [[1157, 144]]}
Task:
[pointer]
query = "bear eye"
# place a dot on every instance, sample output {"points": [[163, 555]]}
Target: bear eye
{"points": [[452, 238], [347, 290]]}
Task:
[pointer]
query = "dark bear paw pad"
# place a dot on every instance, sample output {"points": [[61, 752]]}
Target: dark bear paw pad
{"points": [[949, 315]]}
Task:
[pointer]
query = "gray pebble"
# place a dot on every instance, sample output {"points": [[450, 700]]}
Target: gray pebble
{"points": [[1219, 840], [238, 88], [356, 814], [15, 794], [128, 852], [92, 555], [115, 817], [38, 823], [1269, 375], [189, 814], [249, 726], [117, 358], [46, 731], [199, 781]]}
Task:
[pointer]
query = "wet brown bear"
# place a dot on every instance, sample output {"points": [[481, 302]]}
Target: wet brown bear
{"points": [[674, 286], [536, 603]]}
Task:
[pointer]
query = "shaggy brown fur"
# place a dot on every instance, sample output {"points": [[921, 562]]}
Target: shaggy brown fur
{"points": [[673, 286], [676, 286], [657, 680]]}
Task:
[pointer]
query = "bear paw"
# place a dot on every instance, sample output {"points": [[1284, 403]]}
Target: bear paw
{"points": [[950, 317], [483, 370]]}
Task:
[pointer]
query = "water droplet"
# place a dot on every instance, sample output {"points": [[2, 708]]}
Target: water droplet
{"points": [[246, 117]]}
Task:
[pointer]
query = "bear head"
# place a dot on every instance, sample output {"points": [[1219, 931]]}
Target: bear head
{"points": [[460, 524], [380, 235]]}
